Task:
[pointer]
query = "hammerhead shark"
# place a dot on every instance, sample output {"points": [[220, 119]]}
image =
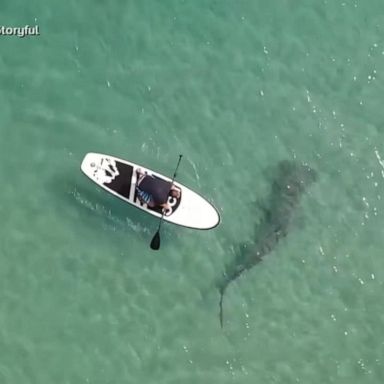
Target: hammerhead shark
{"points": [[291, 182]]}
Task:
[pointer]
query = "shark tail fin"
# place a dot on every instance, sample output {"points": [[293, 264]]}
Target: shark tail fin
{"points": [[222, 290]]}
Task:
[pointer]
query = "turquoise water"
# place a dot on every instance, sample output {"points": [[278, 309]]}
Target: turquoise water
{"points": [[235, 86]]}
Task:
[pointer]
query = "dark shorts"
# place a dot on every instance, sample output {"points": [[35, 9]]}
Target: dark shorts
{"points": [[154, 189]]}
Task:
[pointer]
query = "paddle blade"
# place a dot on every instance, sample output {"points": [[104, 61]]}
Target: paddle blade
{"points": [[155, 243]]}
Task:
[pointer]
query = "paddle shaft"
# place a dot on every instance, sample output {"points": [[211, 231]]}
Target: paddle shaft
{"points": [[155, 244], [173, 179]]}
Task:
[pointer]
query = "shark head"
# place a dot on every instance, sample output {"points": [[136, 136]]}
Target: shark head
{"points": [[293, 178]]}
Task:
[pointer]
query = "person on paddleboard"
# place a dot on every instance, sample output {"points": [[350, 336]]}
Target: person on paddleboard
{"points": [[154, 192]]}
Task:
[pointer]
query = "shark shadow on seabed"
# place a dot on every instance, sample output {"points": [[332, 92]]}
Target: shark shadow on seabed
{"points": [[291, 182]]}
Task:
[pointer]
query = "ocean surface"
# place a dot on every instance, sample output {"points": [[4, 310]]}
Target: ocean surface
{"points": [[236, 87]]}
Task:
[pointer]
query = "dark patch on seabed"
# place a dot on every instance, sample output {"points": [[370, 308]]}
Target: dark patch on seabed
{"points": [[291, 182]]}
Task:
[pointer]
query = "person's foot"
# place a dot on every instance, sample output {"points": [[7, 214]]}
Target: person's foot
{"points": [[139, 175]]}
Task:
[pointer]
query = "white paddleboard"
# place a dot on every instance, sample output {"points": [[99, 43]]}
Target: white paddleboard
{"points": [[119, 177]]}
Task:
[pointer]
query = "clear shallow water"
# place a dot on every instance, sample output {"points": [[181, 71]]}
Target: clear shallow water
{"points": [[235, 87]]}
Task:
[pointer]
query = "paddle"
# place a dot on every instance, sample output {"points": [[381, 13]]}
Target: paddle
{"points": [[155, 243]]}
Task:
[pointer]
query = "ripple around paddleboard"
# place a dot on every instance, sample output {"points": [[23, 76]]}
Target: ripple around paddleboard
{"points": [[115, 223]]}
